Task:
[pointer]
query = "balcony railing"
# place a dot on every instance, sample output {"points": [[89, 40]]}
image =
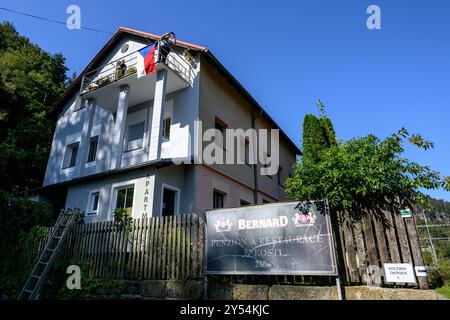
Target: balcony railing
{"points": [[127, 65]]}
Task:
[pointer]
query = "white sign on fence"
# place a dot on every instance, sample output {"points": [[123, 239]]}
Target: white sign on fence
{"points": [[399, 272], [421, 271]]}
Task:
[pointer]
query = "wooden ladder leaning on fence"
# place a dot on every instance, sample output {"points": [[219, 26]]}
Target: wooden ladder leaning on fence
{"points": [[65, 221]]}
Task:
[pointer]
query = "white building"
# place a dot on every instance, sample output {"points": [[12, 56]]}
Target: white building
{"points": [[116, 140]]}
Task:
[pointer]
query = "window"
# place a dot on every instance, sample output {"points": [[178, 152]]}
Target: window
{"points": [[70, 156], [218, 199], [135, 138], [166, 128], [220, 138], [244, 203], [125, 199], [93, 203], [92, 154], [80, 104], [169, 202]]}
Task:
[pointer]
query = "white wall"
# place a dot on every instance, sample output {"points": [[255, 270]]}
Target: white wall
{"points": [[183, 104], [148, 185]]}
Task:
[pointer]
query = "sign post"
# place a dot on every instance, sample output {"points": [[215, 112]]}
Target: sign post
{"points": [[290, 238], [406, 213]]}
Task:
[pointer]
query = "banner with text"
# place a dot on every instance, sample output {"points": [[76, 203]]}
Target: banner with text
{"points": [[280, 238]]}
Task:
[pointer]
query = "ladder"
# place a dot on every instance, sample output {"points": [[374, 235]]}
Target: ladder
{"points": [[32, 287]]}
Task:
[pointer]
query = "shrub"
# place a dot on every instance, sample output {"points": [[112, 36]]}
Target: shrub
{"points": [[439, 274]]}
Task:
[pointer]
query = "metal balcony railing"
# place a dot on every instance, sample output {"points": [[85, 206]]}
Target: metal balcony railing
{"points": [[127, 65]]}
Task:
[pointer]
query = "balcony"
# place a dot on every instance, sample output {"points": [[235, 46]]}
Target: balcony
{"points": [[102, 83]]}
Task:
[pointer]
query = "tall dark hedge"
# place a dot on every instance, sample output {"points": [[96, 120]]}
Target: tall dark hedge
{"points": [[318, 135]]}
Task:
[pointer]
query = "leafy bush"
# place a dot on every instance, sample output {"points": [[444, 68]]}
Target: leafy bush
{"points": [[20, 215], [439, 274], [122, 219], [19, 220], [130, 70], [55, 287], [362, 173], [104, 82], [12, 273]]}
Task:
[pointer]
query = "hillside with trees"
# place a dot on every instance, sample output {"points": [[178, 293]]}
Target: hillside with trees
{"points": [[31, 81]]}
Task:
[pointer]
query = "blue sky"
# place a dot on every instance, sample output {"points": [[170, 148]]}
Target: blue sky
{"points": [[290, 53]]}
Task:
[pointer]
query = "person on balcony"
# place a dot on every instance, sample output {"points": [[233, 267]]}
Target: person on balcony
{"points": [[164, 47], [121, 68]]}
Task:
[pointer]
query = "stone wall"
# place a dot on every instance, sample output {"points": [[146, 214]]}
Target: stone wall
{"points": [[194, 290], [154, 290], [285, 292]]}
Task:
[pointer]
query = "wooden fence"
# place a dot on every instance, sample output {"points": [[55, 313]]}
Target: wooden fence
{"points": [[364, 245], [173, 248], [156, 248]]}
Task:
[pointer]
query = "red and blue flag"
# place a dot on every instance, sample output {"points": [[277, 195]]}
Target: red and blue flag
{"points": [[146, 61]]}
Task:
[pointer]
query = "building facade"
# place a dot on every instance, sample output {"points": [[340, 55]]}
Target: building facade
{"points": [[136, 142]]}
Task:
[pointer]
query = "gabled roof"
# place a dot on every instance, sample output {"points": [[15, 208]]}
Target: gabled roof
{"points": [[123, 31]]}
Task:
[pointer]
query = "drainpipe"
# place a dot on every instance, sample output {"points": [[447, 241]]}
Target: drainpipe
{"points": [[255, 165]]}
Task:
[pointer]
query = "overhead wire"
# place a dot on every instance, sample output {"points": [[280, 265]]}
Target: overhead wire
{"points": [[52, 20]]}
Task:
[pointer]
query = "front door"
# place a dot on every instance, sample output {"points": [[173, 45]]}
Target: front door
{"points": [[168, 202]]}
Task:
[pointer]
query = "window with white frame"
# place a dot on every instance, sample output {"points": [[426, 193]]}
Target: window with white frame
{"points": [[92, 154], [94, 198], [70, 155], [135, 136], [124, 198]]}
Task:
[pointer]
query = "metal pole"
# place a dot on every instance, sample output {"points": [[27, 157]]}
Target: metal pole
{"points": [[205, 244], [339, 288], [433, 250], [205, 288]]}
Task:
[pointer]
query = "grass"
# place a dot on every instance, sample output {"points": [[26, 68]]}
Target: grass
{"points": [[445, 291]]}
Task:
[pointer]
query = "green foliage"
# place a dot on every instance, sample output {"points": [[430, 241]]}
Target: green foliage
{"points": [[318, 135], [20, 215], [445, 291], [130, 70], [122, 219], [362, 173], [31, 81], [55, 287], [104, 82], [12, 273], [439, 275], [19, 218], [314, 140]]}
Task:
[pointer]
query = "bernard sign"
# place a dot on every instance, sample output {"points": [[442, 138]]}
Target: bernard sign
{"points": [[282, 238]]}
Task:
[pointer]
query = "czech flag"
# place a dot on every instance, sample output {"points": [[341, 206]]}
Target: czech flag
{"points": [[146, 61]]}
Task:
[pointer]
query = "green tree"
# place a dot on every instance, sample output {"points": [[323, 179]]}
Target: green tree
{"points": [[31, 81], [318, 135], [361, 174]]}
